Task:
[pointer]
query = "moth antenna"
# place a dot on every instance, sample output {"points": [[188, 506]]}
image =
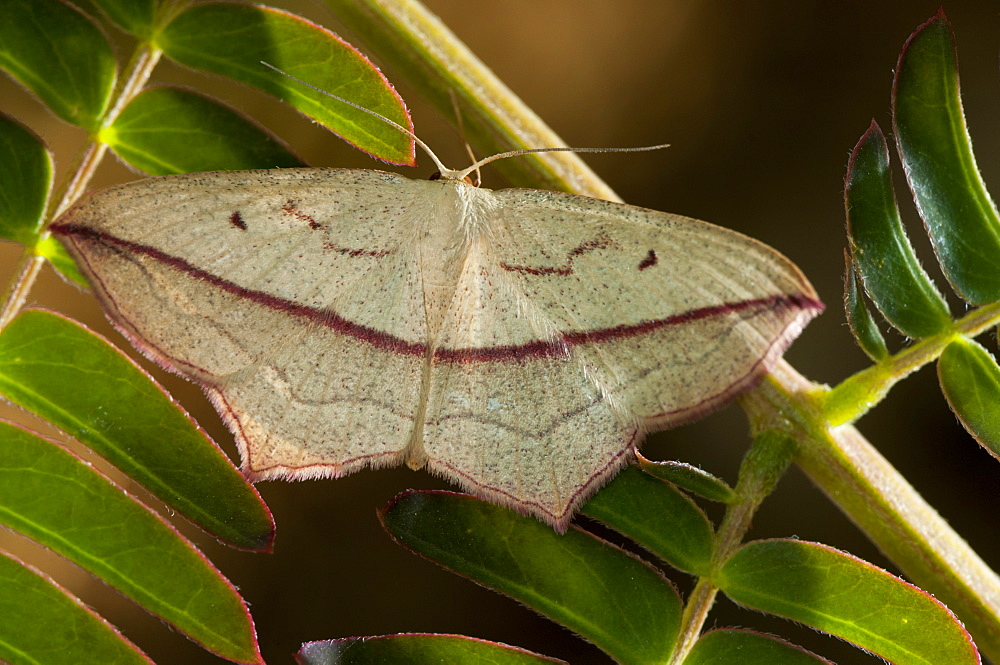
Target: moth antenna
{"points": [[442, 169], [423, 146], [461, 130], [527, 151]]}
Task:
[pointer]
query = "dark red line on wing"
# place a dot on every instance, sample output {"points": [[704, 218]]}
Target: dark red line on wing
{"points": [[236, 219], [354, 253], [561, 346], [566, 269], [322, 317], [540, 348], [291, 207]]}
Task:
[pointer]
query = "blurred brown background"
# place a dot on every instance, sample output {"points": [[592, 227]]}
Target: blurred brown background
{"points": [[761, 103]]}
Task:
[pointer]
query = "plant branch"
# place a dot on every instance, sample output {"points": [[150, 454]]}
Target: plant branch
{"points": [[837, 458], [880, 501], [857, 394], [433, 60], [30, 264]]}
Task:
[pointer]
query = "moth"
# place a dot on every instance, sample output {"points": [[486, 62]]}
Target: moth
{"points": [[520, 343]]}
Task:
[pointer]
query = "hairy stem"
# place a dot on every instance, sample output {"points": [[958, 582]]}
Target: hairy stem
{"points": [[762, 467], [880, 501], [434, 61], [30, 264], [857, 394]]}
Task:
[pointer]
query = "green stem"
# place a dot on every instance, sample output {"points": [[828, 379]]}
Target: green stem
{"points": [[696, 608], [30, 265], [763, 466], [879, 500], [857, 394], [421, 49], [838, 459]]}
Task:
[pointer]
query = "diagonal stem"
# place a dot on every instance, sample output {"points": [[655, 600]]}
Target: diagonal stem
{"points": [[880, 501]]}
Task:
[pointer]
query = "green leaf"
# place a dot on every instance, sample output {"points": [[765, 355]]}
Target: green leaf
{"points": [[744, 647], [40, 622], [136, 17], [25, 181], [863, 326], [893, 278], [620, 603], [165, 130], [690, 478], [416, 649], [61, 55], [847, 597], [80, 383], [232, 39], [970, 380], [937, 155], [657, 516], [56, 255], [60, 501]]}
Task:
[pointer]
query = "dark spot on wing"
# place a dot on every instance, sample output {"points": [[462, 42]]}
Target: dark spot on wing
{"points": [[649, 261], [237, 220]]}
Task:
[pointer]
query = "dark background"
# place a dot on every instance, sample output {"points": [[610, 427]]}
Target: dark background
{"points": [[761, 103]]}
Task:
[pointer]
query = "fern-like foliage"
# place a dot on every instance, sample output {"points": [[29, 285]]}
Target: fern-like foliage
{"points": [[625, 604]]}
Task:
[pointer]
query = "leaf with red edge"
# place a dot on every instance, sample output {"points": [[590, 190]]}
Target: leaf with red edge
{"points": [[620, 603], [893, 277], [40, 622], [165, 130], [656, 515], [233, 39], [847, 597], [723, 646], [416, 649], [970, 380], [61, 55], [57, 499], [78, 381], [25, 181], [936, 150]]}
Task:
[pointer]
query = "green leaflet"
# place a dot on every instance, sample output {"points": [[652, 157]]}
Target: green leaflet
{"points": [[621, 604], [863, 326], [970, 380], [937, 155], [166, 130], [41, 622], [718, 647], [59, 54], [893, 277], [417, 649], [25, 181], [76, 380], [657, 516], [60, 501], [232, 39], [847, 597]]}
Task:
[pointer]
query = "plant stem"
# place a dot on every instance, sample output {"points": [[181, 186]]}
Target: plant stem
{"points": [[857, 394], [696, 609], [30, 264], [763, 466], [880, 501], [433, 60], [837, 458]]}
